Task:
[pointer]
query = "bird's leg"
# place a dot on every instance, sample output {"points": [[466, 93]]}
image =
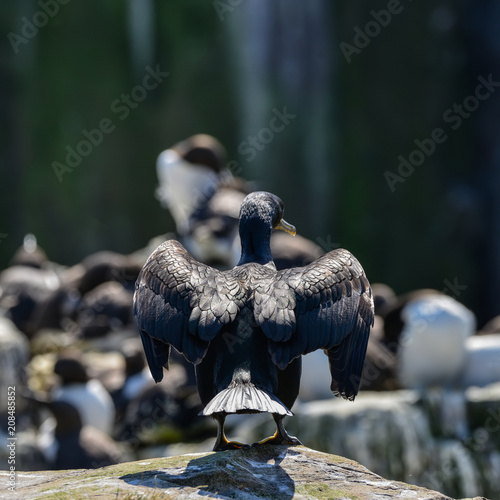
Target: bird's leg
{"points": [[222, 443], [281, 436]]}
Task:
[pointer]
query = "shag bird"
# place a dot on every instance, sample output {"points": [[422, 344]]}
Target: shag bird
{"points": [[246, 328]]}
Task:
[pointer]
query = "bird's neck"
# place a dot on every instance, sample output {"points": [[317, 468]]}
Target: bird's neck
{"points": [[255, 242]]}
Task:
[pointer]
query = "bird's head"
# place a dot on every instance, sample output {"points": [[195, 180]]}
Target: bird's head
{"points": [[202, 149], [264, 210]]}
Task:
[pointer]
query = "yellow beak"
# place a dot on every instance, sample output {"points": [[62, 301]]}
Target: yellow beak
{"points": [[288, 228]]}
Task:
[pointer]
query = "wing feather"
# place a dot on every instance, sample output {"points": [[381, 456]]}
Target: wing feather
{"points": [[325, 305], [180, 302]]}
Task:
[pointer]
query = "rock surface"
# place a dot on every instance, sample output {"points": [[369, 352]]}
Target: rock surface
{"points": [[267, 472], [443, 440]]}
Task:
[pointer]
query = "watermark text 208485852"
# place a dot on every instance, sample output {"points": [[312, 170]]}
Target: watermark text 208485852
{"points": [[11, 436], [224, 6]]}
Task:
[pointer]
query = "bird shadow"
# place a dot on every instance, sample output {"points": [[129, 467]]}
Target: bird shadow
{"points": [[230, 474]]}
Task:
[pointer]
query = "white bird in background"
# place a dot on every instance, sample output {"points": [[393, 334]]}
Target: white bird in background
{"points": [[182, 185], [483, 361], [203, 198], [88, 395], [433, 355], [433, 339]]}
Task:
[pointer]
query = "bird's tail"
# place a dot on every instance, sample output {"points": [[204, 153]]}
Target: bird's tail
{"points": [[245, 398]]}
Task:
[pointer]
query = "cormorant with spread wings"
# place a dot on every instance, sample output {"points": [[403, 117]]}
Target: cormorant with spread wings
{"points": [[245, 329]]}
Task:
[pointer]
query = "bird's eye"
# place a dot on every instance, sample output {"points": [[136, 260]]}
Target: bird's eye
{"points": [[279, 214]]}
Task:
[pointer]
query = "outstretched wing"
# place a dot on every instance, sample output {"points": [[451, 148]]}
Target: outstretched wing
{"points": [[180, 302], [325, 305]]}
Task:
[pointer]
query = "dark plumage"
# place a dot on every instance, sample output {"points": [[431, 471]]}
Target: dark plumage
{"points": [[245, 329], [24, 291], [106, 307], [102, 267]]}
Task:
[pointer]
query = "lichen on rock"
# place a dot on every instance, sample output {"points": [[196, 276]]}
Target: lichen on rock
{"points": [[264, 472]]}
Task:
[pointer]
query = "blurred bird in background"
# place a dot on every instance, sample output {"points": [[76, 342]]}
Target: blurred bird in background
{"points": [[204, 199]]}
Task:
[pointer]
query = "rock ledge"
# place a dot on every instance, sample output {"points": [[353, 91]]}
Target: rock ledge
{"points": [[267, 472]]}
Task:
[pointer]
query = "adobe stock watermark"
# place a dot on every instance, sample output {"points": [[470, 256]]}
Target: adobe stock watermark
{"points": [[373, 28], [121, 107], [234, 167], [454, 116], [327, 245], [133, 435], [12, 436], [255, 143], [30, 27], [201, 197], [224, 6], [478, 442], [454, 289]]}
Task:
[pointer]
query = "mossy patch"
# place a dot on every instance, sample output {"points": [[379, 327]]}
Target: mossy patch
{"points": [[324, 491], [267, 472]]}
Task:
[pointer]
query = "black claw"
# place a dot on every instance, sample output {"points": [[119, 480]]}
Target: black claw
{"points": [[231, 445], [279, 440]]}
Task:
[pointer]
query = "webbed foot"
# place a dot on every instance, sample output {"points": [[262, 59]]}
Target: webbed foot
{"points": [[222, 443], [230, 445], [280, 439], [281, 436]]}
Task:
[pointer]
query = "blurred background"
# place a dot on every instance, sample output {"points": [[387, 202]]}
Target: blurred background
{"points": [[228, 67], [387, 142]]}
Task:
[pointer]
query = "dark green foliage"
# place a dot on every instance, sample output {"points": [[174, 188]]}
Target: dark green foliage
{"points": [[352, 122]]}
